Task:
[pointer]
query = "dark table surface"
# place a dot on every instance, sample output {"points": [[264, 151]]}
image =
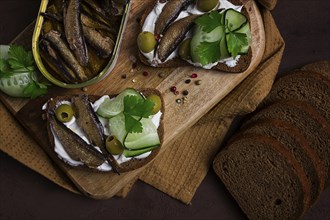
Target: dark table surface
{"points": [[24, 194]]}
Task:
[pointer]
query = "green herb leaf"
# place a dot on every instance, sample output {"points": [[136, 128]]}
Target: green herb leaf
{"points": [[19, 58], [138, 107], [35, 89], [4, 68], [16, 60], [235, 42], [209, 22], [132, 125], [208, 52]]}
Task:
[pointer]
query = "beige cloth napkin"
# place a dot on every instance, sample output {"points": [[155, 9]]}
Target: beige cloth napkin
{"points": [[181, 168]]}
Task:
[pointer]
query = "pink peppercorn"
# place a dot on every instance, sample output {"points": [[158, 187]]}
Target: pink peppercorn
{"points": [[145, 73], [194, 75], [173, 89]]}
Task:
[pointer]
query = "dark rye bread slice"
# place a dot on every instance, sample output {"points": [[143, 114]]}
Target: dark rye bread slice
{"points": [[263, 177], [305, 86], [298, 146], [322, 67], [309, 123], [132, 164], [242, 64]]}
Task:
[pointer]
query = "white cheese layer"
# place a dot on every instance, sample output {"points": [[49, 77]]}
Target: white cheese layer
{"points": [[149, 25], [72, 125]]}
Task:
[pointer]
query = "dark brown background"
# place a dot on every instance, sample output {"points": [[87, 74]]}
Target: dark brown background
{"points": [[24, 194]]}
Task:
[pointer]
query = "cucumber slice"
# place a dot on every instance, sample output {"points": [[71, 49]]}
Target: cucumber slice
{"points": [[134, 141], [148, 137], [245, 29], [117, 127], [235, 20], [134, 153], [224, 53], [112, 107]]}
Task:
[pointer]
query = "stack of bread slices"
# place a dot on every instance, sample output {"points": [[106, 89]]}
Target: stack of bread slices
{"points": [[278, 163]]}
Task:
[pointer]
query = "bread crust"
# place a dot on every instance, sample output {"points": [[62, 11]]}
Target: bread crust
{"points": [[123, 167], [242, 64]]}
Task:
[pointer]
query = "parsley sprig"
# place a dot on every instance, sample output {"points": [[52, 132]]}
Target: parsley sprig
{"points": [[210, 52], [19, 61], [136, 108]]}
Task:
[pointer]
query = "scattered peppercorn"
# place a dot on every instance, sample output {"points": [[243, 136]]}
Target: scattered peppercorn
{"points": [[194, 75], [161, 75], [84, 89], [185, 92], [198, 82], [173, 89], [123, 76], [133, 80], [178, 101], [187, 81], [177, 92], [145, 73]]}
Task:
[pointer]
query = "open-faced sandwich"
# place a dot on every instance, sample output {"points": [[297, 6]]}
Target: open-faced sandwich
{"points": [[109, 133], [211, 34]]}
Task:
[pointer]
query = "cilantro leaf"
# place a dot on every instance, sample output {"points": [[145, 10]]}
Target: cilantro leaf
{"points": [[4, 68], [34, 89], [208, 52], [132, 125], [235, 42], [16, 62], [19, 58], [209, 22], [138, 107]]}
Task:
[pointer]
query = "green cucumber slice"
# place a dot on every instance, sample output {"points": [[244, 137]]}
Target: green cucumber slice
{"points": [[148, 137], [224, 53], [117, 127], [112, 107], [134, 141], [134, 153], [235, 20], [245, 29]]}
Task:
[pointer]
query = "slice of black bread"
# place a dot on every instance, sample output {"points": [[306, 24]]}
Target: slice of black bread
{"points": [[305, 86], [132, 164], [309, 123], [242, 64], [298, 146], [322, 67], [263, 177]]}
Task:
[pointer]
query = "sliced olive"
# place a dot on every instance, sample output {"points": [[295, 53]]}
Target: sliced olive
{"points": [[64, 113], [113, 145], [184, 49], [157, 103], [206, 5], [146, 41]]}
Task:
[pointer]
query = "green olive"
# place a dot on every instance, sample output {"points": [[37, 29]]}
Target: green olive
{"points": [[206, 5], [157, 103], [184, 49], [146, 41], [113, 145], [64, 113]]}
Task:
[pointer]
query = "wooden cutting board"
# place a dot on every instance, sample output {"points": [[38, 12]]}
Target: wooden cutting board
{"points": [[178, 118]]}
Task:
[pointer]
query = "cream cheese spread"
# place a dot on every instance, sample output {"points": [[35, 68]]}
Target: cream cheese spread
{"points": [[72, 125], [149, 25]]}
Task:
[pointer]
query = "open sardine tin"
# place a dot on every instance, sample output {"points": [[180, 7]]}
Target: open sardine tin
{"points": [[102, 74]]}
